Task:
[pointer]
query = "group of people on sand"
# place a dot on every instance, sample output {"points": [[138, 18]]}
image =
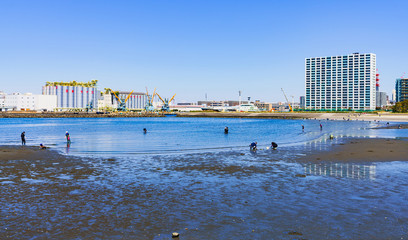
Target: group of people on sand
{"points": [[254, 146], [42, 146]]}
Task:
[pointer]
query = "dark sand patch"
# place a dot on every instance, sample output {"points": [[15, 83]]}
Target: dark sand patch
{"points": [[364, 150]]}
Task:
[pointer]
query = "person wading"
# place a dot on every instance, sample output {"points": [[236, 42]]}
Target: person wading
{"points": [[23, 141], [67, 137]]}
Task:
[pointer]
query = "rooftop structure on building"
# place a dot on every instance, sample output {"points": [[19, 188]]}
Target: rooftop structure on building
{"points": [[341, 82], [73, 95]]}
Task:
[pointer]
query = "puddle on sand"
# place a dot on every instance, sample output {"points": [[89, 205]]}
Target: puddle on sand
{"points": [[346, 170]]}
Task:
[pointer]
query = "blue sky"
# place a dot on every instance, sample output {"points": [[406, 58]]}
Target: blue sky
{"points": [[194, 47]]}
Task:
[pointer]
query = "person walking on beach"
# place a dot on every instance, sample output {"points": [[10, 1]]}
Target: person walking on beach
{"points": [[67, 137], [23, 141], [226, 130]]}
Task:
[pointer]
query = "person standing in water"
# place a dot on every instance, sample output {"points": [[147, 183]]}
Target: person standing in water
{"points": [[252, 146], [321, 127], [303, 128], [226, 130], [67, 137], [144, 130], [23, 141]]}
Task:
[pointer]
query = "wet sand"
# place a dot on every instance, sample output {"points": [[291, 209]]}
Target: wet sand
{"points": [[226, 195], [364, 150]]}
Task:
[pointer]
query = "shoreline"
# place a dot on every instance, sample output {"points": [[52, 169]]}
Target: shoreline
{"points": [[383, 117], [350, 150], [387, 117]]}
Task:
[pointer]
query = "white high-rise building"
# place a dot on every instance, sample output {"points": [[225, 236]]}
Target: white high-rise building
{"points": [[341, 82]]}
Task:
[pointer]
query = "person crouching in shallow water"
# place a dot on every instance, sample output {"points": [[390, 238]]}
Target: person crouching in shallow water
{"points": [[274, 145], [42, 146], [252, 146], [226, 130]]}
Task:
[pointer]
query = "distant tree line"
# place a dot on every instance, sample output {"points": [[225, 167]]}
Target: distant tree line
{"points": [[401, 107]]}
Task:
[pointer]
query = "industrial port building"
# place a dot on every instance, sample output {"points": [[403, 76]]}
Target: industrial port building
{"points": [[73, 95]]}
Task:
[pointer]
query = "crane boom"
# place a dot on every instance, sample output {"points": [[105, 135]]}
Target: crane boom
{"points": [[117, 97], [290, 107], [171, 99], [154, 93], [160, 98], [129, 96]]}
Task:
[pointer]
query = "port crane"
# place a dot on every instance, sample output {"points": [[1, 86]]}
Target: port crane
{"points": [[166, 102], [149, 104], [121, 102], [284, 94]]}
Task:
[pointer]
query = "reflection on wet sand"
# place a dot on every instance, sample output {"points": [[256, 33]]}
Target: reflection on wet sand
{"points": [[347, 170]]}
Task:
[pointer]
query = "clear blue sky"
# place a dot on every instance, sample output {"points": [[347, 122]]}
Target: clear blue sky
{"points": [[194, 47]]}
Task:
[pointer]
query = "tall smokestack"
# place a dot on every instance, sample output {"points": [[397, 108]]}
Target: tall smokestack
{"points": [[377, 81]]}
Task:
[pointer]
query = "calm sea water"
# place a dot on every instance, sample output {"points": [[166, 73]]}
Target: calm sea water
{"points": [[124, 136]]}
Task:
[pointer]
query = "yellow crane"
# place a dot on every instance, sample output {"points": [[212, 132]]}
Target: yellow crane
{"points": [[166, 102], [290, 107], [149, 105], [122, 102]]}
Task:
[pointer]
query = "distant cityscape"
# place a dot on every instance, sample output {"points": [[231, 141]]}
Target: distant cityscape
{"points": [[334, 83]]}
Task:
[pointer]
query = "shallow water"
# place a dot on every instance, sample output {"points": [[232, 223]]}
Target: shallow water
{"points": [[124, 136], [219, 191]]}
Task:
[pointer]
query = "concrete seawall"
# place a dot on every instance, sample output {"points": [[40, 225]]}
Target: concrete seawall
{"points": [[76, 115]]}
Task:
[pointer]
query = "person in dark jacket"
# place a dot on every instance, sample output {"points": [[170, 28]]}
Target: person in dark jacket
{"points": [[23, 141]]}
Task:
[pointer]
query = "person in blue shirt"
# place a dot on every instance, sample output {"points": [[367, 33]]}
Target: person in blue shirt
{"points": [[252, 146]]}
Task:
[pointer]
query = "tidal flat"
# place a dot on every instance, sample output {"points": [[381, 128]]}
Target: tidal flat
{"points": [[304, 192]]}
